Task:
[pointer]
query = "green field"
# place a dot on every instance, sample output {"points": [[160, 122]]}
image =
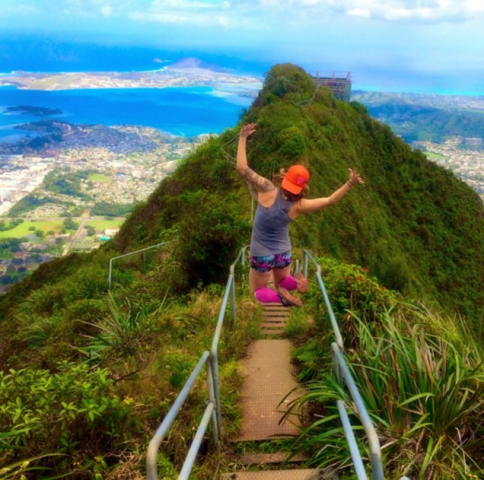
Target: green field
{"points": [[23, 229], [99, 177], [102, 224], [432, 155]]}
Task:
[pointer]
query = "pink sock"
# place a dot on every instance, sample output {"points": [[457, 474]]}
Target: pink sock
{"points": [[266, 295], [288, 283]]}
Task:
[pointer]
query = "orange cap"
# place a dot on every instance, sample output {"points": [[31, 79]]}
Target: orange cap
{"points": [[295, 179]]}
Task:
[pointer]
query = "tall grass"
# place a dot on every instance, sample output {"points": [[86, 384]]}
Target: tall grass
{"points": [[424, 395]]}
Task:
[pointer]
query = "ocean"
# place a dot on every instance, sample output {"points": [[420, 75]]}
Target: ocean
{"points": [[179, 111]]}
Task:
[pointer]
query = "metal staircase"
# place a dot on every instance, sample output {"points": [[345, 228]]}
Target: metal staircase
{"points": [[273, 320]]}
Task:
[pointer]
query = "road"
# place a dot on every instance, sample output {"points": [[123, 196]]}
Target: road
{"points": [[75, 237]]}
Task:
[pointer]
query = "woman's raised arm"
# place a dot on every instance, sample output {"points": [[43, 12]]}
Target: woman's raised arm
{"points": [[256, 181], [306, 205]]}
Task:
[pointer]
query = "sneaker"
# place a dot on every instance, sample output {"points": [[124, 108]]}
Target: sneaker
{"points": [[302, 283], [287, 299]]}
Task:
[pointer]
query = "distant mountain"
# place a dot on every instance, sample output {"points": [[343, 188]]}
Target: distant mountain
{"points": [[417, 117], [192, 62]]}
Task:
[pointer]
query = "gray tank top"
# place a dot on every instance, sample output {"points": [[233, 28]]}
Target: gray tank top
{"points": [[270, 233]]}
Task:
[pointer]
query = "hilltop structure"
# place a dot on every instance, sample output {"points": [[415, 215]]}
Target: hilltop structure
{"points": [[340, 86]]}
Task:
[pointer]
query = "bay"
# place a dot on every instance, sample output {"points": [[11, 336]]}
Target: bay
{"points": [[180, 111]]}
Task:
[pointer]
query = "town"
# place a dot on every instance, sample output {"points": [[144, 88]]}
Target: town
{"points": [[75, 197], [463, 156]]}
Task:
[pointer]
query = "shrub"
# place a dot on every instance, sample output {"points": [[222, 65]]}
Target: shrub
{"points": [[73, 411], [291, 141], [425, 398]]}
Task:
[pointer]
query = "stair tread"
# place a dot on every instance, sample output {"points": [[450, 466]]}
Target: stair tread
{"points": [[305, 474], [270, 458]]}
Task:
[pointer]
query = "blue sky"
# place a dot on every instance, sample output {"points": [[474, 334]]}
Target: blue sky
{"points": [[406, 45]]}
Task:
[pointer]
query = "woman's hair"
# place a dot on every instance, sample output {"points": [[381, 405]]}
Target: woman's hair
{"points": [[290, 196]]}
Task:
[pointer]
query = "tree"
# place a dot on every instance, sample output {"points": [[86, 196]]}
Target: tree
{"points": [[5, 279], [69, 224]]}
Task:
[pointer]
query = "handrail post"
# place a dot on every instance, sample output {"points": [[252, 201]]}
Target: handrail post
{"points": [[110, 271], [212, 398], [216, 388], [233, 307]]}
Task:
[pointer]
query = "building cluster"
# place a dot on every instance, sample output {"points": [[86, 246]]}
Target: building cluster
{"points": [[20, 176], [467, 164]]}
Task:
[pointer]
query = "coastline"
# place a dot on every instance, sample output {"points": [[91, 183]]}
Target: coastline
{"points": [[181, 111]]}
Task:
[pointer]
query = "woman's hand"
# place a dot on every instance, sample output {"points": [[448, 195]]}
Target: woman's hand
{"points": [[355, 178], [247, 130]]}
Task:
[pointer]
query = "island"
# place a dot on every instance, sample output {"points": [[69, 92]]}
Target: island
{"points": [[35, 111]]}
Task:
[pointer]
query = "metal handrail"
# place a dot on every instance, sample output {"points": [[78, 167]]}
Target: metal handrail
{"points": [[212, 411], [151, 467], [371, 435], [334, 323], [127, 255], [343, 371]]}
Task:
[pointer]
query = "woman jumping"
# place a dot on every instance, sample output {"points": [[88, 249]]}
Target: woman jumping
{"points": [[270, 246]]}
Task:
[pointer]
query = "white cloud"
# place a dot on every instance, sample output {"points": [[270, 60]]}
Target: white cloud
{"points": [[182, 18], [186, 12], [159, 6], [106, 10], [391, 10], [418, 10]]}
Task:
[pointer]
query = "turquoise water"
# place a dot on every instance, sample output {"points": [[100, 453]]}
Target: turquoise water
{"points": [[180, 111]]}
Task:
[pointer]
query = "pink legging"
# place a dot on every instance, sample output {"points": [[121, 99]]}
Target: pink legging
{"points": [[267, 295]]}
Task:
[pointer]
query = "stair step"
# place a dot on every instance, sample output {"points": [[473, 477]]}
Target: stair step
{"points": [[306, 474], [269, 378], [270, 458]]}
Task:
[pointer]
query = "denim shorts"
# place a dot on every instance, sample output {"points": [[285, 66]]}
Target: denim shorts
{"points": [[266, 263]]}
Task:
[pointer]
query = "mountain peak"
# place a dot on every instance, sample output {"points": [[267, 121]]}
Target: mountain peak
{"points": [[192, 62]]}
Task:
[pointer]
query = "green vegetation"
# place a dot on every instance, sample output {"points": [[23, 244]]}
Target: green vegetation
{"points": [[415, 227], [67, 183], [31, 202], [112, 209], [70, 224], [434, 155], [4, 227], [99, 177], [103, 224], [422, 384], [96, 371], [27, 227]]}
